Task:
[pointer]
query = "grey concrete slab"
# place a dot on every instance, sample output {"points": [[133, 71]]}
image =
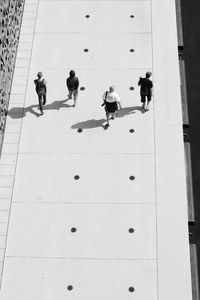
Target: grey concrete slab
{"points": [[107, 279], [57, 183], [101, 231], [134, 16]]}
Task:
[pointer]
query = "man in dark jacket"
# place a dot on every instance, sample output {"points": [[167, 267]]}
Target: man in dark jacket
{"points": [[41, 90], [146, 86], [72, 84]]}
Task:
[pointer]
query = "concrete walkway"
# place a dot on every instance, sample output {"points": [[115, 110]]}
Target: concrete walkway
{"points": [[97, 214]]}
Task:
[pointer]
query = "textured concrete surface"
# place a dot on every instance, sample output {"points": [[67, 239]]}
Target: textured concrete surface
{"points": [[100, 235], [10, 22]]}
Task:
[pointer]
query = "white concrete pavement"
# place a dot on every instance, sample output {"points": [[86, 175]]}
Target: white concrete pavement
{"points": [[102, 236]]}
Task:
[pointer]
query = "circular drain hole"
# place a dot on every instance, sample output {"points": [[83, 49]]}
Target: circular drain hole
{"points": [[76, 177], [87, 16], [86, 50], [131, 130], [132, 177], [132, 50], [131, 289], [70, 287], [131, 230], [131, 16], [132, 88], [82, 88], [80, 130], [73, 229]]}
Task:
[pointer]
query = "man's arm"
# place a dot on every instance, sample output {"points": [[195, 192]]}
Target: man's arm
{"points": [[104, 98], [118, 101], [67, 83], [119, 104], [45, 83], [77, 84], [140, 81]]}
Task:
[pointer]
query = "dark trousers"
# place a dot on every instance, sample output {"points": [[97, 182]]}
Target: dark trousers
{"points": [[144, 97], [42, 100]]}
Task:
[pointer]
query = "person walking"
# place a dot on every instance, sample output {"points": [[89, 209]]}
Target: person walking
{"points": [[41, 90], [72, 85], [146, 86], [112, 104]]}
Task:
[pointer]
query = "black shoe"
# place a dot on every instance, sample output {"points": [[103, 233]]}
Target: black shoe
{"points": [[106, 126]]}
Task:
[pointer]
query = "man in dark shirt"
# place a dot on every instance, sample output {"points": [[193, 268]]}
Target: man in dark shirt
{"points": [[146, 86], [41, 90], [72, 84]]}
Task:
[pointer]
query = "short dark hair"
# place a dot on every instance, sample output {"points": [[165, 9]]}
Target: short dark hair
{"points": [[39, 74], [72, 73], [148, 74]]}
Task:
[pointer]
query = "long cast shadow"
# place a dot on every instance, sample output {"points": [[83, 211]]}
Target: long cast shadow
{"points": [[128, 111], [89, 124], [21, 112], [92, 123], [56, 105]]}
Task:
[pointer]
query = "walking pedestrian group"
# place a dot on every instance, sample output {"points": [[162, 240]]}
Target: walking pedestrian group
{"points": [[111, 100]]}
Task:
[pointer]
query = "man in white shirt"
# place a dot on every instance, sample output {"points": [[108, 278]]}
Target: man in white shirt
{"points": [[112, 104]]}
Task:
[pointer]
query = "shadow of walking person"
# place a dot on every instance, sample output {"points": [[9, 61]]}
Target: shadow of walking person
{"points": [[21, 112], [128, 111], [56, 105], [89, 124]]}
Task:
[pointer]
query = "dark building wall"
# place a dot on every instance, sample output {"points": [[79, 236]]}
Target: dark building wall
{"points": [[191, 37]]}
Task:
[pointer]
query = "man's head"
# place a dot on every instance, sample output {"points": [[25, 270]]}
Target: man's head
{"points": [[148, 74], [39, 75], [72, 73], [111, 88]]}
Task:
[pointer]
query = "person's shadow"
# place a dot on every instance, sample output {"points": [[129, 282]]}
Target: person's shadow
{"points": [[125, 111], [21, 112], [92, 123], [89, 124]]}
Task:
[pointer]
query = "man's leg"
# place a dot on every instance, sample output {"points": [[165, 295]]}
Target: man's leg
{"points": [[40, 103], [113, 115], [70, 94], [107, 118], [148, 102], [75, 94], [44, 99], [143, 101]]}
